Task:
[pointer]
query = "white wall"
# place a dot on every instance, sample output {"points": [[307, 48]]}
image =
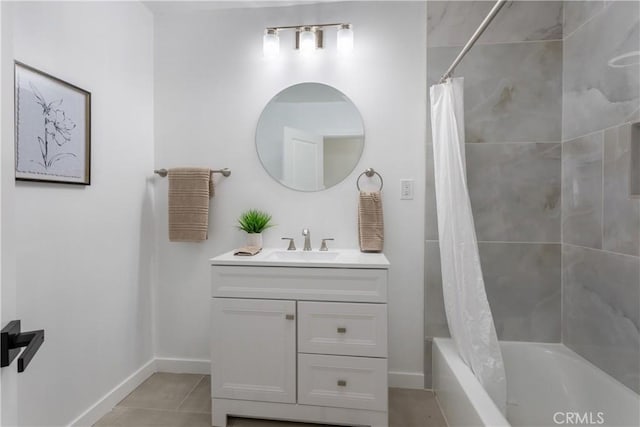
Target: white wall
{"points": [[84, 254], [8, 377], [211, 84]]}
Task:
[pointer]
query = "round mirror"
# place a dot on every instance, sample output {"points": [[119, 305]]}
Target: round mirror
{"points": [[310, 137]]}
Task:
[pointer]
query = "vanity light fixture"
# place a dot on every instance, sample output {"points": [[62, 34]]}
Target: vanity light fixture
{"points": [[270, 43], [345, 39], [308, 38]]}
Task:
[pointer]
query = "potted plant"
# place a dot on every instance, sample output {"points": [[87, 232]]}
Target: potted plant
{"points": [[254, 222]]}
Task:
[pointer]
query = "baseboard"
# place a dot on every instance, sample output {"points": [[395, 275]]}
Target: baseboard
{"points": [[111, 399], [406, 380], [413, 380], [183, 366], [159, 364]]}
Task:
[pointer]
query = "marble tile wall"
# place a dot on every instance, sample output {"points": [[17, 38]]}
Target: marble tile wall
{"points": [[601, 317], [576, 13], [512, 90], [582, 191], [499, 176], [598, 93], [600, 219], [552, 219], [515, 191], [621, 212], [451, 23], [513, 126], [522, 284], [599, 211]]}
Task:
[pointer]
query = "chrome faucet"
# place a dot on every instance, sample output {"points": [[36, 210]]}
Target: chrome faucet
{"points": [[307, 239]]}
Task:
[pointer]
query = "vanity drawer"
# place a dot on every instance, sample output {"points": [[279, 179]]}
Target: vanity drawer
{"points": [[342, 381], [311, 284], [342, 328]]}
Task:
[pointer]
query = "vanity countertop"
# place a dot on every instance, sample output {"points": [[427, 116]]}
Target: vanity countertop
{"points": [[335, 258]]}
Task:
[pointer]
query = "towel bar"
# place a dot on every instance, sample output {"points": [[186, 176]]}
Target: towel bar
{"points": [[370, 172], [224, 172]]}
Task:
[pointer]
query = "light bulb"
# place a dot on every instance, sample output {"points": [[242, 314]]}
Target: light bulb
{"points": [[307, 40], [270, 43], [345, 39]]}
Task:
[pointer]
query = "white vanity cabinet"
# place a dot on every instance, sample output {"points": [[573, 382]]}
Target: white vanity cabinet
{"points": [[300, 341]]}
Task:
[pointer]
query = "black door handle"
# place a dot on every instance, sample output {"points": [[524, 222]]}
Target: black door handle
{"points": [[11, 340]]}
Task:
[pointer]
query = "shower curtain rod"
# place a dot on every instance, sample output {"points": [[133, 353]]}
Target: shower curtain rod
{"points": [[483, 26]]}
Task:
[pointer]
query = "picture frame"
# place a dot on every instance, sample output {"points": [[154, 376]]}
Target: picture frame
{"points": [[52, 128]]}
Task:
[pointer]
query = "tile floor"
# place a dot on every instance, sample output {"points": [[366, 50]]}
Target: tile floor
{"points": [[183, 400]]}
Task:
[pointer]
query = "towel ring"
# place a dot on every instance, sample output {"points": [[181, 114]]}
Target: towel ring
{"points": [[370, 172]]}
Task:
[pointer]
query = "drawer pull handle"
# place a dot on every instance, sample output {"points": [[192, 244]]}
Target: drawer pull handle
{"points": [[342, 383], [342, 330], [289, 316]]}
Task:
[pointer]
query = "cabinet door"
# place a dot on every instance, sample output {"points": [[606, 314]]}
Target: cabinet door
{"points": [[253, 349]]}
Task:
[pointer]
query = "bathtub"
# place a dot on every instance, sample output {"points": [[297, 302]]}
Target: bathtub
{"points": [[547, 385]]}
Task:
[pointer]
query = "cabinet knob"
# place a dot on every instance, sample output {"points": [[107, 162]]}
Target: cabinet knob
{"points": [[342, 330], [342, 383], [289, 316]]}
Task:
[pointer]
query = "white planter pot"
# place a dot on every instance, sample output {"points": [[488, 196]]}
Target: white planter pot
{"points": [[254, 239]]}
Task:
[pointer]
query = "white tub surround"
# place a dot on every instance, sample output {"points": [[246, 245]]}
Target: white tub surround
{"points": [[462, 399], [300, 337], [547, 384]]}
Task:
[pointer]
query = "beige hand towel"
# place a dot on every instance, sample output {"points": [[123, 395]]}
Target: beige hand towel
{"points": [[247, 251], [370, 222], [189, 192]]}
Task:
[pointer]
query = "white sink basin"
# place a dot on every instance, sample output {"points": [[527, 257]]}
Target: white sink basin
{"points": [[303, 256], [277, 257]]}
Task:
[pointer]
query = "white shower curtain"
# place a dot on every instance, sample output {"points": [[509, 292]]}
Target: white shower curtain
{"points": [[468, 312]]}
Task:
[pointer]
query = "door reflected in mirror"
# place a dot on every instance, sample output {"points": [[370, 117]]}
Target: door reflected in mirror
{"points": [[310, 137]]}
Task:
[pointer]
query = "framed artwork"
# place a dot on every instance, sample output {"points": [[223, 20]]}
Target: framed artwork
{"points": [[53, 128]]}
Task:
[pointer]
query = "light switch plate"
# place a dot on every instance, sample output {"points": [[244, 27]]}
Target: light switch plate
{"points": [[406, 189]]}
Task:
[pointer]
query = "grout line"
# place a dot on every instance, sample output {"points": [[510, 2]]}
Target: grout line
{"points": [[562, 24], [562, 171], [566, 36], [628, 121], [562, 311], [189, 394], [520, 243], [562, 210], [513, 142], [440, 408], [635, 257], [602, 148], [504, 241]]}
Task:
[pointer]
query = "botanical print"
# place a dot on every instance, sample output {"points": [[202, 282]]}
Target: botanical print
{"points": [[57, 128], [52, 128]]}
